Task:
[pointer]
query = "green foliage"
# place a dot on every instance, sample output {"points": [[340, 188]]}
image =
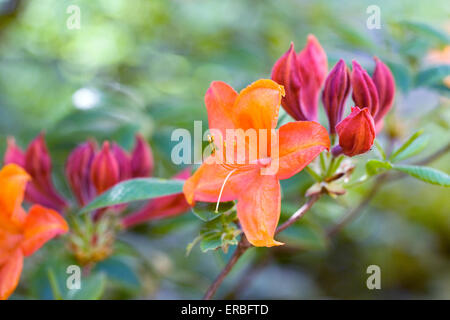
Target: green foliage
{"points": [[425, 174], [413, 146], [134, 190], [374, 166], [218, 233], [116, 269], [433, 75], [92, 288], [426, 31]]}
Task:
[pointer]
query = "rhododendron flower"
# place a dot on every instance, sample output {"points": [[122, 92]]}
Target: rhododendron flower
{"points": [[257, 190], [37, 162], [21, 234], [302, 76], [356, 132]]}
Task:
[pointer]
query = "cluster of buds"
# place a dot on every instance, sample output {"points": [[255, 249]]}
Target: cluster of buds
{"points": [[92, 241], [38, 164], [303, 75], [90, 171]]}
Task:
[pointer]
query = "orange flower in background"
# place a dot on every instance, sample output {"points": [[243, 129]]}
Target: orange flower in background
{"points": [[258, 194], [21, 234]]}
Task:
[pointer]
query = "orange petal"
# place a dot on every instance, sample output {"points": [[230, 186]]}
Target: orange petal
{"points": [[10, 274], [13, 180], [9, 242], [258, 210], [257, 105], [219, 100], [299, 143], [41, 225], [206, 183]]}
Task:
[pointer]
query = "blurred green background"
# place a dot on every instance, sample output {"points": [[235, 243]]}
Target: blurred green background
{"points": [[144, 66]]}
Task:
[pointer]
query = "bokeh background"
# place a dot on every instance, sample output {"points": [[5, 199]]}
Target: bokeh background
{"points": [[144, 66]]}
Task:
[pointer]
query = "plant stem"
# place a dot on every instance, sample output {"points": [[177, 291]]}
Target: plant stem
{"points": [[379, 182], [244, 245], [299, 213]]}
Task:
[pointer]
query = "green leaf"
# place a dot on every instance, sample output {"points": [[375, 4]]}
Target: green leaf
{"points": [[426, 174], [414, 148], [54, 284], [426, 30], [406, 145], [206, 211], [211, 242], [134, 190], [222, 239], [115, 268], [92, 288], [433, 75], [374, 166]]}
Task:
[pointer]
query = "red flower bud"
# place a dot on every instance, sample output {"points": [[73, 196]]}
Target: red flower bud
{"points": [[313, 66], [285, 72], [335, 92], [162, 207], [385, 84], [365, 93], [123, 160], [356, 132], [105, 169], [302, 76], [14, 154], [78, 172], [141, 159], [37, 160], [39, 165], [34, 192]]}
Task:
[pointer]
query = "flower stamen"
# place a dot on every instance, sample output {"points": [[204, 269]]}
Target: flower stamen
{"points": [[223, 186]]}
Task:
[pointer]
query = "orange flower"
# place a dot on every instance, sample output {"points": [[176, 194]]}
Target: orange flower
{"points": [[21, 234], [257, 191]]}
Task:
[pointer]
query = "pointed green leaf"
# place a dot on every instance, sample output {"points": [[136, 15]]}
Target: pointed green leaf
{"points": [[426, 174], [416, 147], [134, 190], [406, 145]]}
